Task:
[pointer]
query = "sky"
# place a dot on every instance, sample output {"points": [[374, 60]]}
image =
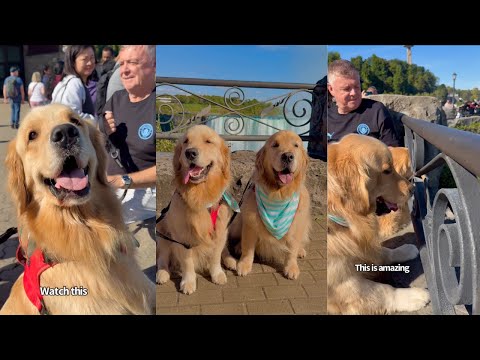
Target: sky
{"points": [[441, 60], [275, 63]]}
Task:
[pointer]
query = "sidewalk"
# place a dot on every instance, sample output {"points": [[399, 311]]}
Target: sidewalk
{"points": [[9, 269]]}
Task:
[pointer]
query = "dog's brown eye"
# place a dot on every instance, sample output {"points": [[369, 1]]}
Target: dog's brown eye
{"points": [[208, 141], [296, 145], [32, 135], [275, 144], [75, 121], [387, 172], [186, 141]]}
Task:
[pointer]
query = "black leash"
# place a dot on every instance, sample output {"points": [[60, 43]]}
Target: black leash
{"points": [[7, 234], [239, 203]]}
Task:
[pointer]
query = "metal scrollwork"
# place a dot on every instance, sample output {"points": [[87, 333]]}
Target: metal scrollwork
{"points": [[299, 109], [234, 97], [451, 243], [296, 109]]}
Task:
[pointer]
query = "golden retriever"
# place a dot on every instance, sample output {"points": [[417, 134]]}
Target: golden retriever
{"points": [[393, 222], [66, 208], [280, 171], [201, 164], [362, 182]]}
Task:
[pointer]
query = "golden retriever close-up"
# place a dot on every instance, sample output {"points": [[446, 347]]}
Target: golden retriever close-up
{"points": [[78, 253], [363, 183], [193, 234], [393, 222], [274, 219]]}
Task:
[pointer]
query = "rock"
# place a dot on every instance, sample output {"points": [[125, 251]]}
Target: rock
{"points": [[243, 163], [464, 121]]}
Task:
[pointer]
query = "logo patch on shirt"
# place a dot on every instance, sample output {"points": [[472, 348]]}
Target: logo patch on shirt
{"points": [[363, 129], [145, 131], [329, 136]]}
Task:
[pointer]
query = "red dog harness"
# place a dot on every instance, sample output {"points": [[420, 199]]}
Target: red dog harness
{"points": [[214, 214], [34, 264]]}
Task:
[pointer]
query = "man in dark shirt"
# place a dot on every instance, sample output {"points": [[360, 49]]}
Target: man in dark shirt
{"points": [[130, 123], [350, 113]]}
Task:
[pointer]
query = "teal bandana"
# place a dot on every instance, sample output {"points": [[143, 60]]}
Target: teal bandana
{"points": [[338, 220], [277, 216], [231, 201]]}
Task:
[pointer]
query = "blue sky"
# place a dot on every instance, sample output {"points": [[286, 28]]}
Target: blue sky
{"points": [[441, 60], [277, 63]]}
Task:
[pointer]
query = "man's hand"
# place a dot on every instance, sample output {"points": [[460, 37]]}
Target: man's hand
{"points": [[115, 181], [109, 123]]}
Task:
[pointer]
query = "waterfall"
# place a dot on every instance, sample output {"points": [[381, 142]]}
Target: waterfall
{"points": [[252, 127]]}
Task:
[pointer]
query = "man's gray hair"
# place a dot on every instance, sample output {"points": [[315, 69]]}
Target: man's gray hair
{"points": [[149, 49], [343, 68]]}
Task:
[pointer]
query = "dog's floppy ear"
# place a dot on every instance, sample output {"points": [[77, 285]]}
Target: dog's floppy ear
{"points": [[259, 160], [98, 142], [346, 183], [177, 167], [225, 151], [16, 178]]}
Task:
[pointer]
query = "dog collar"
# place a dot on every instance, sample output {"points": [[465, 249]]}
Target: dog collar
{"points": [[337, 219]]}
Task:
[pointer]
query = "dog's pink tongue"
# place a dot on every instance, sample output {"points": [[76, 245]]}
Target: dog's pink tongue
{"points": [[192, 172], [73, 180], [391, 206], [285, 178]]}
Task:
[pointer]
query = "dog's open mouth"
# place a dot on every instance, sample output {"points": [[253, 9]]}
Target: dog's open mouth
{"points": [[285, 176], [196, 174], [384, 207], [72, 181]]}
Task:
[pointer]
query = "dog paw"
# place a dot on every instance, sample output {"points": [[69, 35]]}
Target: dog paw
{"points": [[411, 299], [188, 286], [291, 271], [244, 267], [404, 253], [302, 253], [219, 278], [162, 276], [230, 263]]}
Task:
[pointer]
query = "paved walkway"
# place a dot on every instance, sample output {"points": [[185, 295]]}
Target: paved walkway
{"points": [[264, 291], [9, 268]]}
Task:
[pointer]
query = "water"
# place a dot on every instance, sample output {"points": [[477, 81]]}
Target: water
{"points": [[252, 127]]}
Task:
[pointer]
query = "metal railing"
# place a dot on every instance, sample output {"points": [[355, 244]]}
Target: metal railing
{"points": [[294, 107], [450, 244]]}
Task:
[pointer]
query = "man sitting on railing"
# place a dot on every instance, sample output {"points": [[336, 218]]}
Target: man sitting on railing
{"points": [[350, 113]]}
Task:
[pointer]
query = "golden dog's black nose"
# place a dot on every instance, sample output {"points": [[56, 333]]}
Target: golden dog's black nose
{"points": [[191, 154], [64, 135], [288, 157]]}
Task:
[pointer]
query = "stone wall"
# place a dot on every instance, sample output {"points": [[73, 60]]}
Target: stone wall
{"points": [[243, 163]]}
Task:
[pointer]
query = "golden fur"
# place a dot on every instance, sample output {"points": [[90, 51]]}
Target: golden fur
{"points": [[360, 170], [84, 235], [188, 219], [390, 224], [255, 238]]}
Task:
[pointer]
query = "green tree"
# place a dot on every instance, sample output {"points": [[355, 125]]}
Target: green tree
{"points": [[333, 55], [441, 92]]}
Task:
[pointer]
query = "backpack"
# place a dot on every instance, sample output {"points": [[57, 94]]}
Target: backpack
{"points": [[318, 121], [12, 91], [102, 86]]}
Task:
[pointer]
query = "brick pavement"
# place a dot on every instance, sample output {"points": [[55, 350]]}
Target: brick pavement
{"points": [[264, 291]]}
